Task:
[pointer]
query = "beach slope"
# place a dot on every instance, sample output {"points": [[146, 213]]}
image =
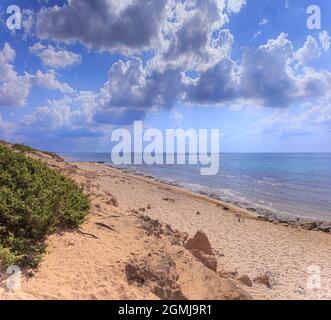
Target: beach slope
{"points": [[130, 247]]}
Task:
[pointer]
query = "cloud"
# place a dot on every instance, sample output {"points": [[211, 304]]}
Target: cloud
{"points": [[262, 76], [48, 80], [53, 57], [14, 88], [324, 40], [313, 84], [264, 73], [191, 36], [133, 90], [5, 128], [180, 33], [69, 117], [236, 5], [182, 38], [2, 124], [55, 114], [280, 123], [270, 75], [120, 117], [28, 20], [263, 22], [308, 119], [124, 26], [176, 117], [257, 34], [266, 76], [309, 52], [214, 86]]}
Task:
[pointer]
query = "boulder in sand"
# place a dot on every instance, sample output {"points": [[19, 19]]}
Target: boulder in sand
{"points": [[158, 272], [200, 242], [245, 279], [264, 279], [208, 260], [201, 248]]}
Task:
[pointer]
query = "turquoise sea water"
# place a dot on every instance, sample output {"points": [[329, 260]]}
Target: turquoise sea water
{"points": [[292, 184]]}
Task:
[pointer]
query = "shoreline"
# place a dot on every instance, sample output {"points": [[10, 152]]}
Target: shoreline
{"points": [[137, 222], [245, 242], [269, 215]]}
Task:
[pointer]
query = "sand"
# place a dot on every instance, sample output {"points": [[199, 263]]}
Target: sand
{"points": [[92, 263]]}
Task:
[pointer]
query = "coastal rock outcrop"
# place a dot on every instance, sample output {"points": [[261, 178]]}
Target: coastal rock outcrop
{"points": [[201, 248], [264, 279], [200, 242], [158, 272], [245, 279], [157, 229]]}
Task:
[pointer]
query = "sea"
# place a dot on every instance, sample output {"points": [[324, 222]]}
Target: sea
{"points": [[291, 184]]}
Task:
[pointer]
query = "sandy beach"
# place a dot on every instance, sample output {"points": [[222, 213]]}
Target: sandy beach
{"points": [[131, 234]]}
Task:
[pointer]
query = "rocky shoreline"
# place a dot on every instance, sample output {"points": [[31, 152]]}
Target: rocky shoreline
{"points": [[280, 218], [261, 213]]}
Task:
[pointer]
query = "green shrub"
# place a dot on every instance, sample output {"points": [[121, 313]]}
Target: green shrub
{"points": [[7, 258], [53, 155], [23, 148], [34, 202]]}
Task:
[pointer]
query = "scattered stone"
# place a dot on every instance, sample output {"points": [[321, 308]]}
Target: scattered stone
{"points": [[149, 207], [142, 209], [70, 243], [169, 199], [30, 273], [261, 218], [198, 213], [158, 273], [245, 279], [218, 253], [294, 222], [164, 188], [310, 226], [113, 201], [228, 274], [157, 229], [325, 227], [264, 279]]}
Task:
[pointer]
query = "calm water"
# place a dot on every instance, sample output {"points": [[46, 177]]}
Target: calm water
{"points": [[294, 184]]}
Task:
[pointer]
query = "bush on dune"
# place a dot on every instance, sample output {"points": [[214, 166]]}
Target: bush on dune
{"points": [[23, 148], [35, 201]]}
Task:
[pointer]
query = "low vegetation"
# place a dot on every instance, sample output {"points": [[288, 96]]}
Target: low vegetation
{"points": [[35, 201], [23, 148]]}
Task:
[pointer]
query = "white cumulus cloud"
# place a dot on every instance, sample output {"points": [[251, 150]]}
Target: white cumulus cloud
{"points": [[53, 57]]}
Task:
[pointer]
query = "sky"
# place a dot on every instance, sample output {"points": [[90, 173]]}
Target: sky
{"points": [[259, 71]]}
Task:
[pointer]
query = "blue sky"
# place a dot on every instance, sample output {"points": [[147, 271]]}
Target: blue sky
{"points": [[76, 71]]}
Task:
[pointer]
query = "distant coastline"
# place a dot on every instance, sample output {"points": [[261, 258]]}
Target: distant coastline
{"points": [[281, 187]]}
